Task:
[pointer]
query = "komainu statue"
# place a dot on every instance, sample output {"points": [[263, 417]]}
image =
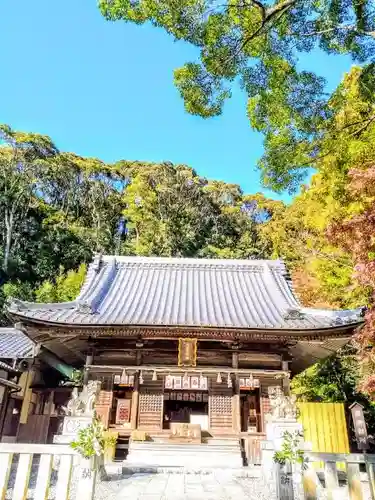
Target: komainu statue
{"points": [[282, 406], [83, 404]]}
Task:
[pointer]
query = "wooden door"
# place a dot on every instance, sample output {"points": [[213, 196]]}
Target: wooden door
{"points": [[220, 408], [151, 405], [103, 405]]}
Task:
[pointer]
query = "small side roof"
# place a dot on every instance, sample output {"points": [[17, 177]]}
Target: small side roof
{"points": [[179, 292], [14, 344]]}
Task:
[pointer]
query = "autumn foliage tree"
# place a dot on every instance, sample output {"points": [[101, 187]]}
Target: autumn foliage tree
{"points": [[357, 236]]}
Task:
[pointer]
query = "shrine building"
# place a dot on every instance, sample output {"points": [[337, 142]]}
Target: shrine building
{"points": [[179, 341]]}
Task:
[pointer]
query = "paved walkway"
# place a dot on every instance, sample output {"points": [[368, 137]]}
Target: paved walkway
{"points": [[223, 486]]}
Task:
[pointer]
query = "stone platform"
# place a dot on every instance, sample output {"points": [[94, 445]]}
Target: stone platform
{"points": [[218, 453], [218, 484]]}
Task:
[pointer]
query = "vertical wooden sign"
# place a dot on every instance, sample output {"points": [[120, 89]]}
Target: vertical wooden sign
{"points": [[360, 428]]}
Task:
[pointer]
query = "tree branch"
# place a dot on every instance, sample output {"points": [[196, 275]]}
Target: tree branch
{"points": [[364, 126], [279, 7], [261, 7], [347, 27]]}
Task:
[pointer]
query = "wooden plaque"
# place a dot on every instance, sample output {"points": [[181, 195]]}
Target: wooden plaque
{"points": [[123, 411], [187, 352]]}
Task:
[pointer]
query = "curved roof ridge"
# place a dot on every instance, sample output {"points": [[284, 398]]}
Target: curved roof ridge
{"points": [[125, 259], [333, 313], [23, 305], [90, 300]]}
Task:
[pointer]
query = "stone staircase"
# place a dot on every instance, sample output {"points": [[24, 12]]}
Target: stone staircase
{"points": [[215, 453]]}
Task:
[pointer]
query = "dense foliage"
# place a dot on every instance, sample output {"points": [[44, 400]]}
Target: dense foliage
{"points": [[57, 209], [326, 233], [335, 380], [258, 43]]}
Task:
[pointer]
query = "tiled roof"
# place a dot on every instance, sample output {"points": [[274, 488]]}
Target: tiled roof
{"points": [[148, 291], [15, 344]]}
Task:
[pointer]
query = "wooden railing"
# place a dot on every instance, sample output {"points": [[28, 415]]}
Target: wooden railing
{"points": [[356, 468], [252, 447], [42, 468]]}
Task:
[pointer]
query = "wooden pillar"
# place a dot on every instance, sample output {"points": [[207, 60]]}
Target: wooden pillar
{"points": [[236, 397], [135, 401], [3, 411], [27, 393], [286, 380], [89, 361]]}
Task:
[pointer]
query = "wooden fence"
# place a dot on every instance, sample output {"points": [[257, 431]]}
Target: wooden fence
{"points": [[324, 427], [37, 467], [252, 447]]}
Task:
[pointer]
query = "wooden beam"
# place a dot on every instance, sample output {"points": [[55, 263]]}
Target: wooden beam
{"points": [[201, 369]]}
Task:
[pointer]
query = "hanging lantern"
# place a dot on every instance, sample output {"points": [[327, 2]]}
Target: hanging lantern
{"points": [[154, 376], [218, 380], [141, 378], [229, 381]]}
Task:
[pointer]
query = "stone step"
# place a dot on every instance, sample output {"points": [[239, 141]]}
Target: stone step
{"points": [[188, 450], [186, 460], [175, 443], [191, 455], [125, 469]]}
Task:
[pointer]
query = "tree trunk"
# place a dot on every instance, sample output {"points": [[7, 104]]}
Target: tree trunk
{"points": [[9, 224]]}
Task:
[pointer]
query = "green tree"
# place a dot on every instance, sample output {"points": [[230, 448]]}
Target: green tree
{"points": [[171, 211], [335, 379], [64, 288], [23, 159], [259, 44]]}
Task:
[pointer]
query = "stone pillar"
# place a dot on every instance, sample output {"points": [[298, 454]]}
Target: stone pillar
{"points": [[283, 419], [288, 479], [87, 478]]}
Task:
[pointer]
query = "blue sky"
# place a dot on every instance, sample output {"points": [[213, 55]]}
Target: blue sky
{"points": [[106, 90]]}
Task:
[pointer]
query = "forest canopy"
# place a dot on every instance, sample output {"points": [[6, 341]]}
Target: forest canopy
{"points": [[57, 209], [259, 44]]}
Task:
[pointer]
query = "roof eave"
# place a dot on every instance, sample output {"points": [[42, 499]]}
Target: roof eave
{"points": [[284, 332]]}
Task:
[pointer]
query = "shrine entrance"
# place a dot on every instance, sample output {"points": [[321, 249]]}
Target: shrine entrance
{"points": [[185, 408], [250, 411], [185, 401]]}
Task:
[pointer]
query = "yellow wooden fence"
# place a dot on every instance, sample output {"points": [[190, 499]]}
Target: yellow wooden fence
{"points": [[324, 426]]}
